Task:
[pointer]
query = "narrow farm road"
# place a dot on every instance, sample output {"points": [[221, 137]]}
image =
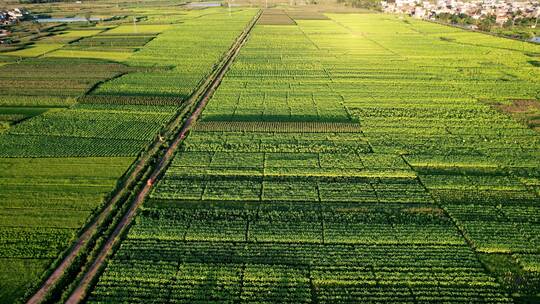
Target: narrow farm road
{"points": [[213, 82]]}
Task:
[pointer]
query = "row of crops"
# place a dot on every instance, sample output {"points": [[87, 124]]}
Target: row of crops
{"points": [[348, 160], [293, 273], [66, 151]]}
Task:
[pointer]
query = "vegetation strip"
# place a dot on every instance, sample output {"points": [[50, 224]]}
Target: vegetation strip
{"points": [[271, 126]]}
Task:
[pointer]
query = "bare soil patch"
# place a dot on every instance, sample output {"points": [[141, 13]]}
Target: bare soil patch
{"points": [[524, 110], [275, 17]]}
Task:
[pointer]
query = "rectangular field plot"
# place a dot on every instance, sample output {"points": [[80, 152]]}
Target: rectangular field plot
{"points": [[86, 130], [388, 224], [491, 230], [294, 160], [100, 123], [148, 281], [60, 146], [272, 283], [275, 17], [292, 223], [277, 142], [219, 227], [198, 283], [137, 29], [266, 127], [155, 225], [105, 55], [232, 190], [104, 42], [55, 77], [34, 50]]}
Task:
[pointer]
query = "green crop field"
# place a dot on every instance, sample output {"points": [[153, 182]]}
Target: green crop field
{"points": [[348, 160], [343, 158]]}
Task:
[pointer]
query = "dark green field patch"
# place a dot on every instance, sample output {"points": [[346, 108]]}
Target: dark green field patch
{"points": [[16, 275], [43, 204]]}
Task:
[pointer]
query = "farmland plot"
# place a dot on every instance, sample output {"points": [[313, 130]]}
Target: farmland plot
{"points": [[52, 82], [85, 132], [398, 185]]}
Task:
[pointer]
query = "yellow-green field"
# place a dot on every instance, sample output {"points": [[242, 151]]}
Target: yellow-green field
{"points": [[35, 50], [138, 29], [79, 33], [113, 56]]}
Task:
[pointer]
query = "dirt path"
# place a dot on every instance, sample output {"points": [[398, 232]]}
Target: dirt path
{"points": [[80, 292]]}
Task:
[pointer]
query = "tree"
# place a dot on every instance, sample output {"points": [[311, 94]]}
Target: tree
{"points": [[369, 4], [487, 23], [444, 17]]}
